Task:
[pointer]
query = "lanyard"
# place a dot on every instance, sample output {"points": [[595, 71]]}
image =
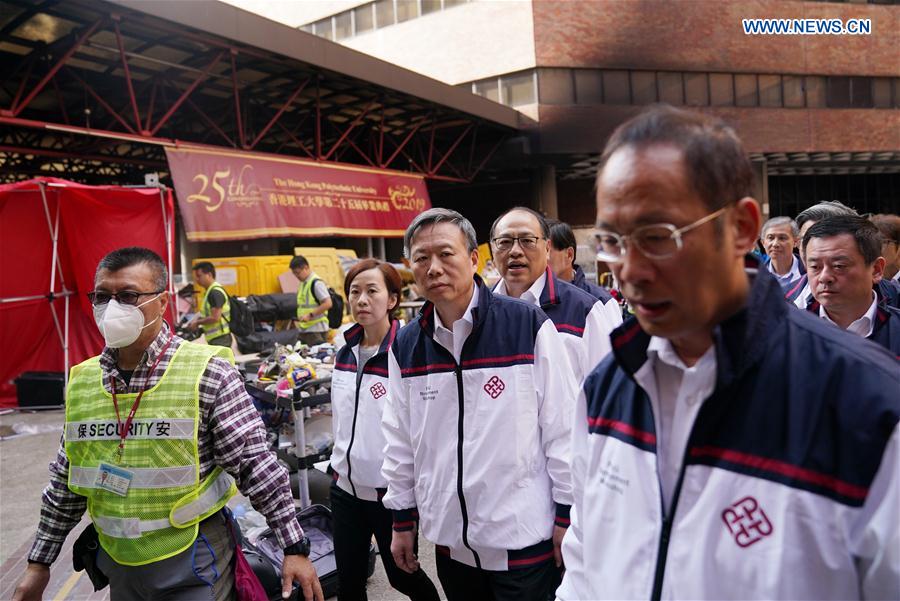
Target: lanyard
{"points": [[123, 430]]}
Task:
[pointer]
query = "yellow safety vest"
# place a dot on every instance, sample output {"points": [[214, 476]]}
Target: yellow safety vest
{"points": [[158, 516], [220, 328], [306, 302]]}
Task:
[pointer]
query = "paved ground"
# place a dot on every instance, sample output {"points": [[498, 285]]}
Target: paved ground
{"points": [[23, 474]]}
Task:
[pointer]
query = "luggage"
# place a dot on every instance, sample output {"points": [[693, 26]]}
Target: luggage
{"points": [[318, 524], [272, 307], [259, 342]]}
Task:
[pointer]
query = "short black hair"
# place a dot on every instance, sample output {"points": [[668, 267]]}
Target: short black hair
{"points": [[562, 236], [716, 166], [205, 267], [299, 262], [889, 226], [542, 221], [868, 238], [134, 255]]}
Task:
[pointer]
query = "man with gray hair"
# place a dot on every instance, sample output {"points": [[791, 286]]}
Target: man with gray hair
{"points": [[800, 293], [477, 422], [779, 238]]}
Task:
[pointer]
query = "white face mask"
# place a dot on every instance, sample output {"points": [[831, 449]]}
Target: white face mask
{"points": [[121, 324]]}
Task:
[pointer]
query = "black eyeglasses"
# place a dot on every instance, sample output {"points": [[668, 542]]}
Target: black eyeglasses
{"points": [[505, 243], [126, 297]]}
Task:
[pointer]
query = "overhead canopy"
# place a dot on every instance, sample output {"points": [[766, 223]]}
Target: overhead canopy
{"points": [[226, 195], [53, 234]]}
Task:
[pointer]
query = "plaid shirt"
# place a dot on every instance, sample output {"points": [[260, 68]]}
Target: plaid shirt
{"points": [[231, 435]]}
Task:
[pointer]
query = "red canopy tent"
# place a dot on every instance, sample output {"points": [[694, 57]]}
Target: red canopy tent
{"points": [[53, 233]]}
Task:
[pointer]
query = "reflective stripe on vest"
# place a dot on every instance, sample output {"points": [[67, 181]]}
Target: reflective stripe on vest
{"points": [[221, 327], [217, 488], [306, 301], [136, 529]]}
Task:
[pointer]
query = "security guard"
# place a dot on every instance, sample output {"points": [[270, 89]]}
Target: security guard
{"points": [[313, 302], [215, 310]]}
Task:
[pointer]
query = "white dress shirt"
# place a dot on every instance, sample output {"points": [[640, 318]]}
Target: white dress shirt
{"points": [[862, 326], [792, 275], [676, 394], [531, 296], [453, 339]]}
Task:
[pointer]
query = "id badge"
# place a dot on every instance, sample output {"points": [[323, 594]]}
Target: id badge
{"points": [[113, 479]]}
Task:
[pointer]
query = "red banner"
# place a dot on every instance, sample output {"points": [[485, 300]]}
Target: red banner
{"points": [[229, 195]]}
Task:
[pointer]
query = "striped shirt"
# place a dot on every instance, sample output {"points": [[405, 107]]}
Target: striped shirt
{"points": [[231, 435]]}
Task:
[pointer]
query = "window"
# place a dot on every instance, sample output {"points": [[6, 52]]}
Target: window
{"points": [[770, 90], [518, 89], [745, 90], [384, 13], [489, 89], [430, 6], [721, 89], [861, 92], [407, 9], [616, 88], [792, 86], [881, 93], [643, 87], [323, 28], [555, 86], [671, 88], [364, 18], [343, 25], [449, 3], [815, 91], [696, 89], [588, 86], [838, 92]]}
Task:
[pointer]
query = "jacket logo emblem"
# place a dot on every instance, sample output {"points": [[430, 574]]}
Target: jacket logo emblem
{"points": [[494, 387], [747, 522], [378, 390]]}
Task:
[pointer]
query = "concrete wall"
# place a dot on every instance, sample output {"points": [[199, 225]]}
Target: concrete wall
{"points": [[295, 12], [706, 35], [463, 43]]}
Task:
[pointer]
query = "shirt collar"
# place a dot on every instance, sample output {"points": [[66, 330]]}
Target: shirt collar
{"points": [[532, 295], [467, 316], [662, 350], [862, 326], [792, 274]]}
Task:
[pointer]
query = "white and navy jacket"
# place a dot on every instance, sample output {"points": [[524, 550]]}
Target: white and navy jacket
{"points": [[599, 292], [584, 321], [358, 438], [790, 483], [479, 449]]}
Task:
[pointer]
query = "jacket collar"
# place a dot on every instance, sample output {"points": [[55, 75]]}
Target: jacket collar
{"points": [[740, 340], [579, 276], [550, 293], [354, 336], [426, 315]]}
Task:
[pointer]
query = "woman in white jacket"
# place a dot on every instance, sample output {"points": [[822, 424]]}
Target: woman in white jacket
{"points": [[359, 389]]}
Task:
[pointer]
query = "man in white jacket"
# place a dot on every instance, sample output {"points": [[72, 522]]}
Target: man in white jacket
{"points": [[477, 423]]}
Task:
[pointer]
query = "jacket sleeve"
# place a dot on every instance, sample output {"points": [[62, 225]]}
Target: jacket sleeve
{"points": [[575, 582], [599, 324], [398, 451], [874, 533], [556, 391]]}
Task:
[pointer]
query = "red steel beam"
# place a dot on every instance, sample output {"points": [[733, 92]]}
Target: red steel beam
{"points": [[237, 98], [450, 150], [102, 102], [210, 122], [350, 128], [487, 157], [150, 108], [25, 79], [404, 143], [296, 140], [60, 154], [199, 79], [121, 44], [15, 110], [280, 112]]}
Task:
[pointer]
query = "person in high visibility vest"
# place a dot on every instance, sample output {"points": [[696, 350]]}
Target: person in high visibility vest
{"points": [[159, 434], [215, 309], [313, 302]]}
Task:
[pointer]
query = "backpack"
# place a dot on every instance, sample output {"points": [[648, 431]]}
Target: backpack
{"points": [[336, 312], [241, 320]]}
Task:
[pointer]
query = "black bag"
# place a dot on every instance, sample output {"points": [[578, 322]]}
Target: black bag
{"points": [[260, 342], [241, 320], [336, 312], [272, 307], [318, 524], [84, 557]]}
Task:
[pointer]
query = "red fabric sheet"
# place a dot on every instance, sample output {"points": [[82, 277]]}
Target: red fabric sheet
{"points": [[93, 220]]}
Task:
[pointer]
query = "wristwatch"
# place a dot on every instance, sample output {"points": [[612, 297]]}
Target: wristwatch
{"points": [[299, 548]]}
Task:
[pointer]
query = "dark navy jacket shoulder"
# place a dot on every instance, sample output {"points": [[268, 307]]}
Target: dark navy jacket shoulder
{"points": [[345, 359], [566, 305], [503, 333], [796, 401], [889, 292], [598, 292]]}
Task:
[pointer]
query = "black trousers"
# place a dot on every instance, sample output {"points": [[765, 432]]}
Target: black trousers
{"points": [[466, 583], [355, 521]]}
